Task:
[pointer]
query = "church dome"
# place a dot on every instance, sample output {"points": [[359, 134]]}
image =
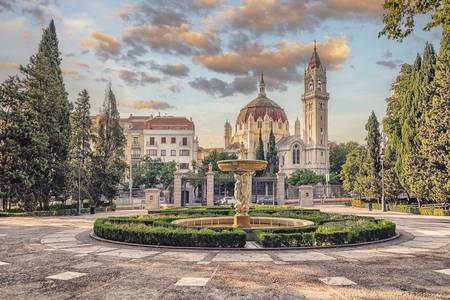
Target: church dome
{"points": [[260, 107]]}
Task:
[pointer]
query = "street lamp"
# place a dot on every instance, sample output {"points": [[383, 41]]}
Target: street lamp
{"points": [[383, 202]]}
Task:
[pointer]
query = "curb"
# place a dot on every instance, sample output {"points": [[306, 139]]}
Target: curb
{"points": [[95, 237]]}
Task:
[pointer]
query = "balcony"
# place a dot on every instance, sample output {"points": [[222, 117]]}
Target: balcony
{"points": [[135, 146], [135, 156]]}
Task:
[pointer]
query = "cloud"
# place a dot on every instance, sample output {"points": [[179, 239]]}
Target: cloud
{"points": [[220, 88], [11, 66], [272, 16], [175, 70], [387, 54], [40, 10], [169, 39], [142, 104], [391, 64], [280, 64], [137, 78], [105, 45], [174, 88], [80, 64], [67, 72]]}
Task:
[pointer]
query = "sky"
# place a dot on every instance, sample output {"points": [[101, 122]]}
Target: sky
{"points": [[202, 58]]}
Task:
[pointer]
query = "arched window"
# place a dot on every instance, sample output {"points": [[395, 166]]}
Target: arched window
{"points": [[319, 86], [310, 87], [296, 154]]}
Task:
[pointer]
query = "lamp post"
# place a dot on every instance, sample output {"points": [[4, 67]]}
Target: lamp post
{"points": [[80, 159], [131, 179], [383, 202]]}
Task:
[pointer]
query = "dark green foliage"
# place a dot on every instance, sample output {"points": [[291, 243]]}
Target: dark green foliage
{"points": [[435, 132], [213, 158], [399, 16], [373, 161], [330, 234], [260, 147], [338, 155], [272, 155], [45, 89], [80, 144], [305, 177], [23, 144], [352, 173], [107, 167], [153, 173], [169, 236]]}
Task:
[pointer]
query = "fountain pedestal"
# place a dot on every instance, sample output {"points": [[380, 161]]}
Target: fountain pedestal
{"points": [[242, 169]]}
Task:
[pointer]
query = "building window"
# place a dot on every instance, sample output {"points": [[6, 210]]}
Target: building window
{"points": [[259, 124], [184, 152], [163, 152], [319, 86], [163, 140], [279, 125], [184, 143], [321, 153], [282, 161], [173, 140], [135, 141], [320, 118], [152, 141], [184, 166], [173, 152], [311, 84], [296, 154], [152, 152]]}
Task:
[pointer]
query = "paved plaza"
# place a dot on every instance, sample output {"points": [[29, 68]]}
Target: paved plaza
{"points": [[55, 258]]}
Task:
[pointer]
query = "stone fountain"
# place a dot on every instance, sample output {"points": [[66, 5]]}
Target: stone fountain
{"points": [[242, 169]]}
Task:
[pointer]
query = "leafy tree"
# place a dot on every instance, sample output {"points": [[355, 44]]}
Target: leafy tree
{"points": [[260, 147], [373, 163], [45, 88], [305, 177], [213, 158], [272, 155], [435, 133], [107, 166], [352, 173], [153, 173], [80, 142], [338, 155], [400, 14], [22, 146]]}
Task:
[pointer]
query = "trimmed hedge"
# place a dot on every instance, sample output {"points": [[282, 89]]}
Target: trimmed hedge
{"points": [[140, 233], [405, 208], [44, 213], [348, 232]]}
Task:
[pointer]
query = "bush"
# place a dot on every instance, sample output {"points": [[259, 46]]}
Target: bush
{"points": [[141, 233], [329, 234]]}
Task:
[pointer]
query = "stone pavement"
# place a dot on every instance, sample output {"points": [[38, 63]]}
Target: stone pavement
{"points": [[38, 254]]}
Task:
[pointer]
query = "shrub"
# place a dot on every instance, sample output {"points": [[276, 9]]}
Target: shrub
{"points": [[141, 233]]}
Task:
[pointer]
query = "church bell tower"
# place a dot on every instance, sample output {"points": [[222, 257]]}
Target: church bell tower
{"points": [[315, 115]]}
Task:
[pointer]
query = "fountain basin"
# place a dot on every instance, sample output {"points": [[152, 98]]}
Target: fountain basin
{"points": [[255, 222], [241, 165]]}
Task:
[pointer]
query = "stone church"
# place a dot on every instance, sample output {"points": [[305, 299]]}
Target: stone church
{"points": [[307, 148]]}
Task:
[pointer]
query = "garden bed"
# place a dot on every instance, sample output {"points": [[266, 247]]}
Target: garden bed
{"points": [[328, 229]]}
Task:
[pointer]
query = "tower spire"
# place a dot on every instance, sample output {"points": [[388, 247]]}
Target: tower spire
{"points": [[262, 85]]}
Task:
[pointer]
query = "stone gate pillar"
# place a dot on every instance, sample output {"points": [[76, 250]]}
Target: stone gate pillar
{"points": [[281, 193], [177, 188], [210, 186], [152, 198]]}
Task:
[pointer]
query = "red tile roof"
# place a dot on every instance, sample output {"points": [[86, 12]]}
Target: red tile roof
{"points": [[169, 122]]}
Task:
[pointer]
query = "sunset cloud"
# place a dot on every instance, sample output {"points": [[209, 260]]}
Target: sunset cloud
{"points": [[175, 70], [104, 44], [137, 78], [12, 66], [220, 88], [67, 72], [272, 16], [146, 104], [169, 39]]}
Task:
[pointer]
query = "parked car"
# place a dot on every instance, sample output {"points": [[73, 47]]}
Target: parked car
{"points": [[227, 201]]}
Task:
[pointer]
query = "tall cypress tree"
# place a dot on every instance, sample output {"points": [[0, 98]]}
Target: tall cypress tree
{"points": [[373, 165], [80, 140], [272, 155], [260, 147], [22, 146], [48, 97], [107, 166], [435, 133]]}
